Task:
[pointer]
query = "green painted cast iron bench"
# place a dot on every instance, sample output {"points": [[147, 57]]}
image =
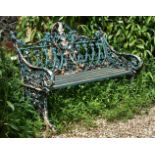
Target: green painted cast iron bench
{"points": [[64, 58]]}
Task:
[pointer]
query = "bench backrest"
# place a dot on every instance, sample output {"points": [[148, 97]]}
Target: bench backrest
{"points": [[64, 51]]}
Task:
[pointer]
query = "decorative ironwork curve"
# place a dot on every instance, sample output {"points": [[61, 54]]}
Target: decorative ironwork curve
{"points": [[64, 51]]}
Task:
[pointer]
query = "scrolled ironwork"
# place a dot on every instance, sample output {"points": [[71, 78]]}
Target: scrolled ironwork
{"points": [[64, 52]]}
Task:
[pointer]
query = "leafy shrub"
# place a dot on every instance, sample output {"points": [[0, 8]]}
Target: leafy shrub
{"points": [[17, 117]]}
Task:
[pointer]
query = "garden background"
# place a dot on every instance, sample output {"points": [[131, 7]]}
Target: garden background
{"points": [[112, 100]]}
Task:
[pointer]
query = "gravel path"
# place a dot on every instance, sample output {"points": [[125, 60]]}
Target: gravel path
{"points": [[140, 126]]}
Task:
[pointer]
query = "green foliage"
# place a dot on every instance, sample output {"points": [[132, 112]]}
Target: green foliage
{"points": [[131, 34], [17, 117], [32, 28], [114, 99]]}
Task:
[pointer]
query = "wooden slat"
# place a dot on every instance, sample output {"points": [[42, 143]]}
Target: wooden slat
{"points": [[88, 76]]}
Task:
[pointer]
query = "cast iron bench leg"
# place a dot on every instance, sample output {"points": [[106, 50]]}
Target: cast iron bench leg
{"points": [[37, 83], [45, 116], [39, 99]]}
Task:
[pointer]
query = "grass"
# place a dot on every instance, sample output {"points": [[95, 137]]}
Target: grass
{"points": [[113, 100]]}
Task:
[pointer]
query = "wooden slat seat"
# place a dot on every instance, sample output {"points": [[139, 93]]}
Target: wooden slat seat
{"points": [[62, 81]]}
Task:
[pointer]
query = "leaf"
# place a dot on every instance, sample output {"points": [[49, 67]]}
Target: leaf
{"points": [[61, 18], [149, 53], [11, 105], [148, 20], [132, 43], [151, 76], [140, 46], [13, 127], [0, 73], [128, 26], [84, 28], [148, 36], [39, 35], [154, 40], [32, 34]]}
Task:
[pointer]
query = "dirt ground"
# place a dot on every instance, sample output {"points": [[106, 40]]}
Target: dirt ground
{"points": [[140, 126]]}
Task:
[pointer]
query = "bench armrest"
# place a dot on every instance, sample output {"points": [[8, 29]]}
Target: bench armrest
{"points": [[34, 77], [134, 60], [37, 78]]}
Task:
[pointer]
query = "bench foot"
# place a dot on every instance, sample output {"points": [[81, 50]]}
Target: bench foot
{"points": [[48, 125]]}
